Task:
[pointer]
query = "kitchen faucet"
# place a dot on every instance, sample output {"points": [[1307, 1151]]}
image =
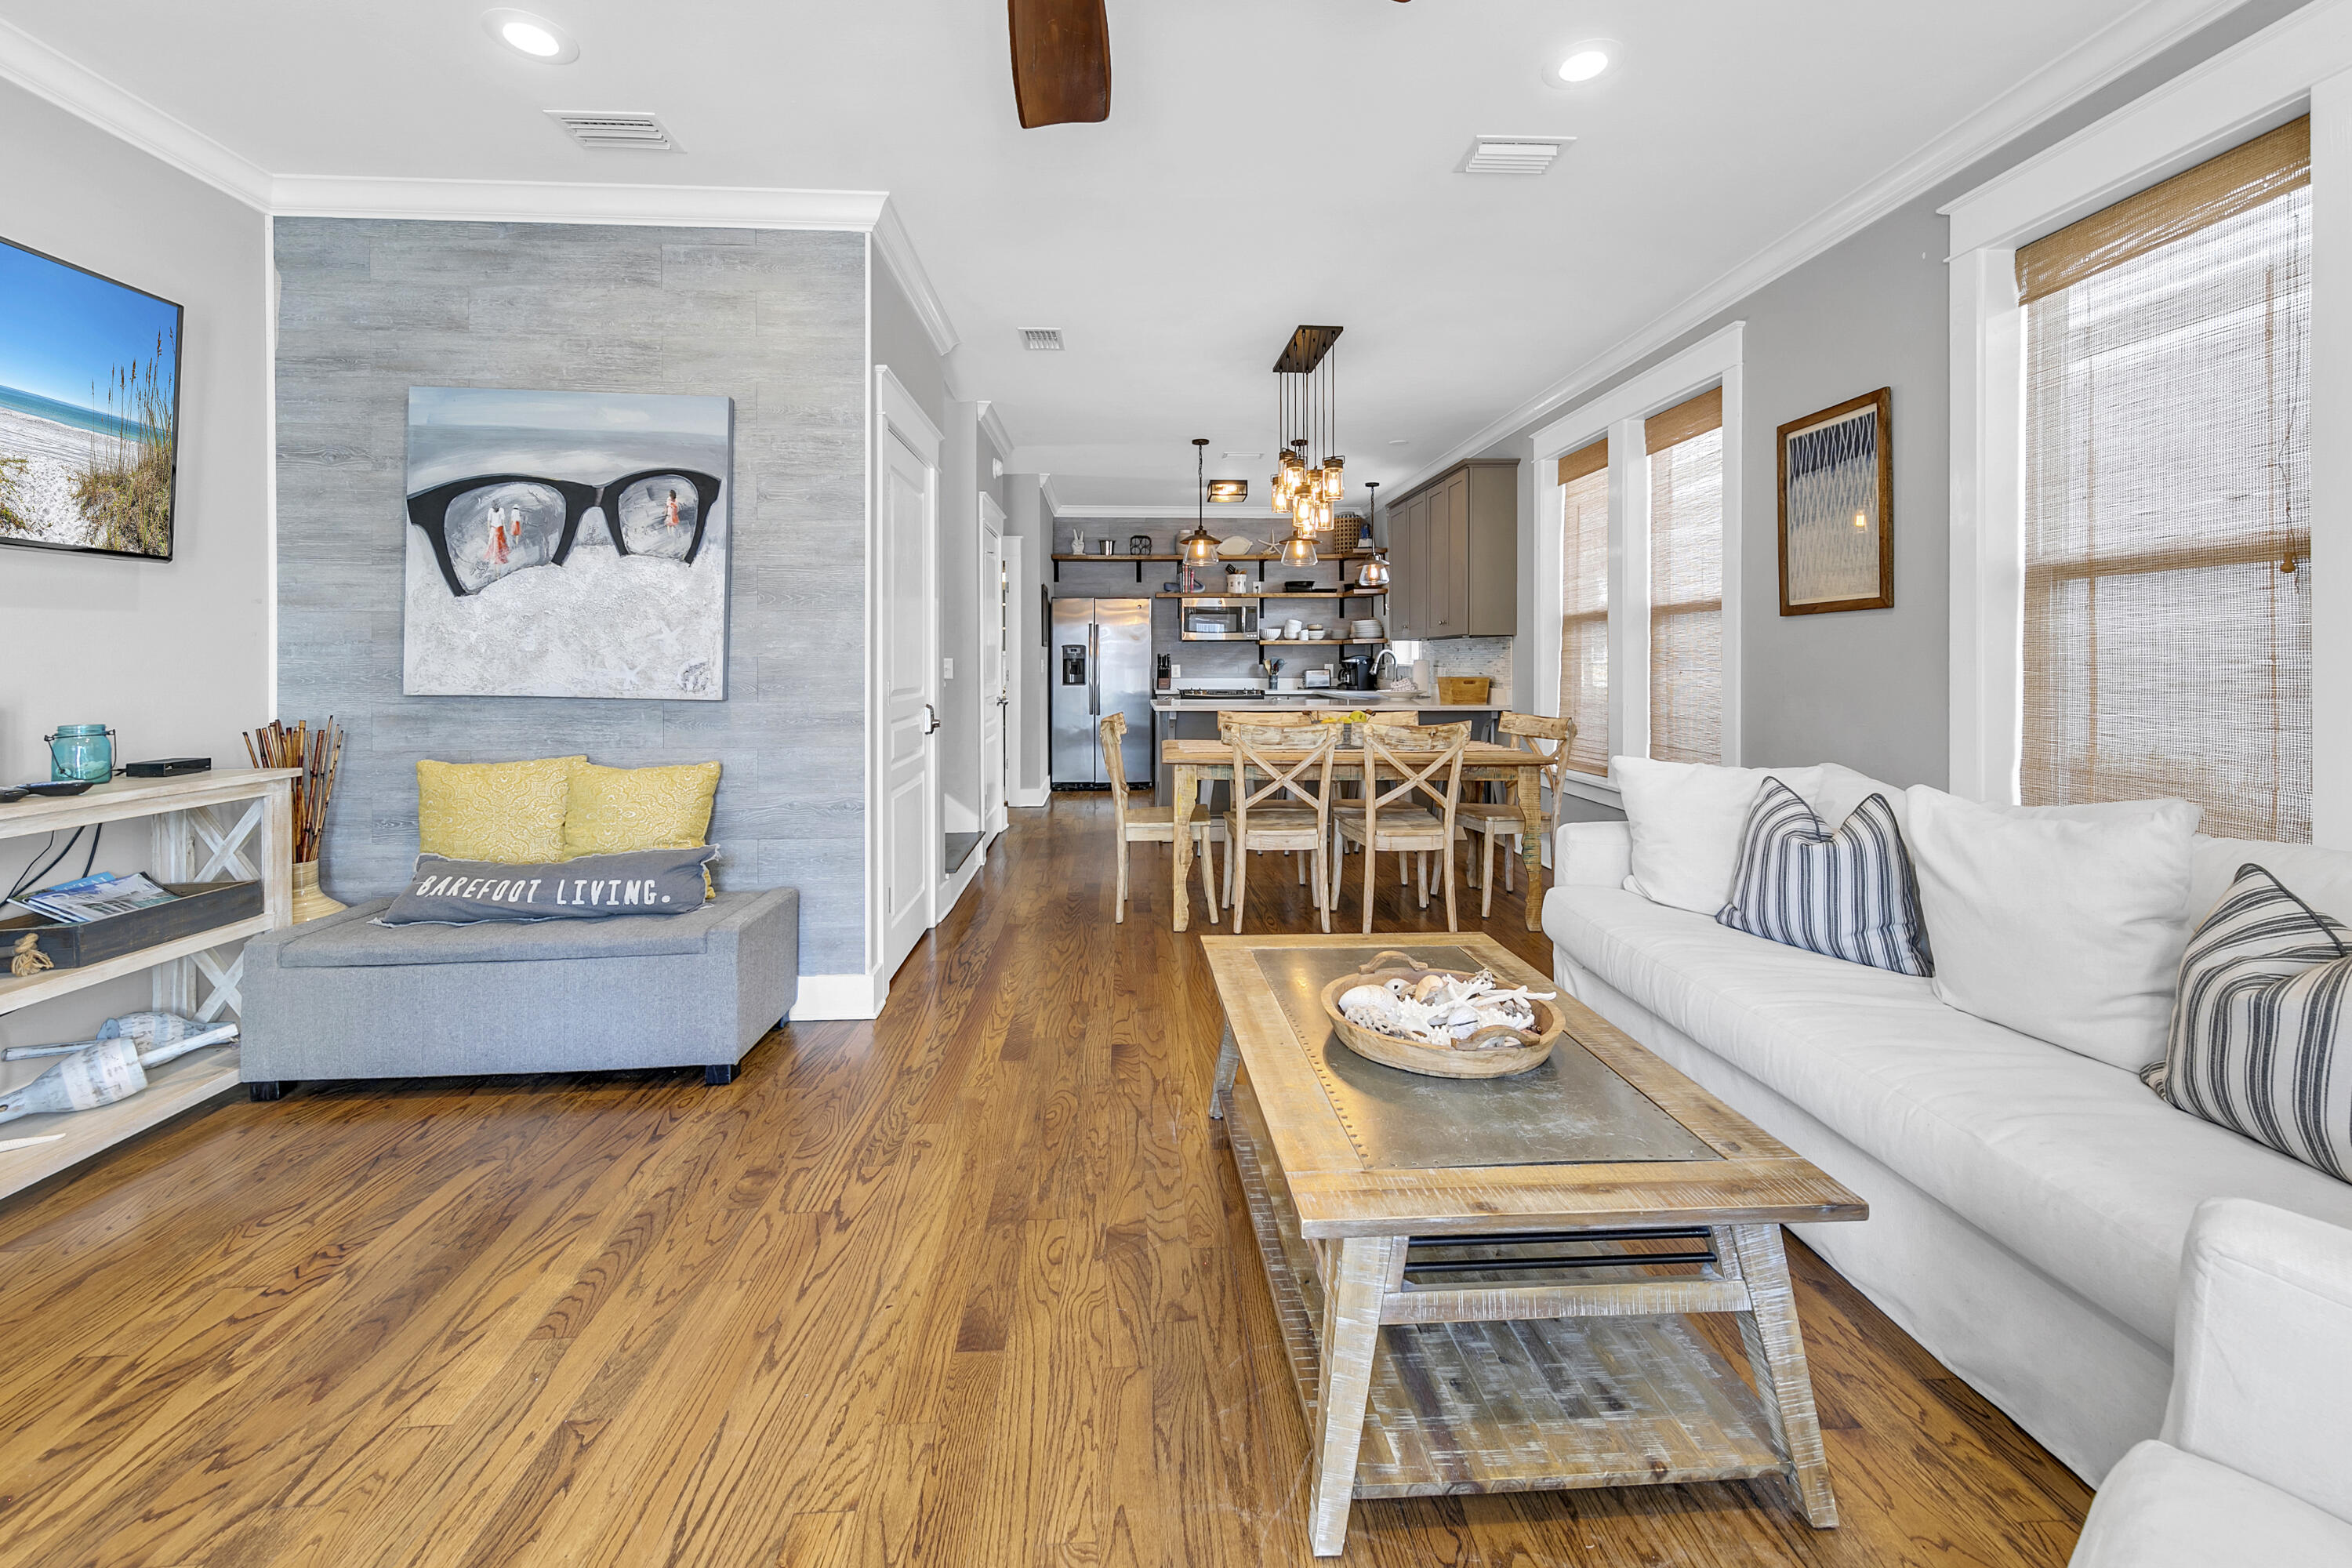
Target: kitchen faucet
{"points": [[1387, 657]]}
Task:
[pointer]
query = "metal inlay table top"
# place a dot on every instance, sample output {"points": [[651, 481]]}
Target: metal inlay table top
{"points": [[1573, 1109]]}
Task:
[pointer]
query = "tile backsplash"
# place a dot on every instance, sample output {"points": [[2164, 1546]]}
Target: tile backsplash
{"points": [[1490, 657]]}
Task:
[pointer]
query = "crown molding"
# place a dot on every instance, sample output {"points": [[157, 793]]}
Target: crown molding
{"points": [[563, 201], [1045, 496], [991, 425], [2137, 37], [46, 74], [897, 252]]}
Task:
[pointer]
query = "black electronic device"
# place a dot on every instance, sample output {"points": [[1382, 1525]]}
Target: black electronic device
{"points": [[167, 767]]}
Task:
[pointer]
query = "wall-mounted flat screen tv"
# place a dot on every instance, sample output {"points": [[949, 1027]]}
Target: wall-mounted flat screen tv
{"points": [[89, 410]]}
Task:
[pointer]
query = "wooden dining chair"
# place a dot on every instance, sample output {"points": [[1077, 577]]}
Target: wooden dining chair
{"points": [[1403, 767], [1152, 824], [1490, 820], [1229, 719], [1292, 810]]}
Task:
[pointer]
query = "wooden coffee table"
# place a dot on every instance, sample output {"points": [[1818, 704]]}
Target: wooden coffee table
{"points": [[1483, 1283]]}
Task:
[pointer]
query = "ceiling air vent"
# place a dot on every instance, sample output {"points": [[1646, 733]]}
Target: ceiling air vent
{"points": [[1041, 338], [1513, 154], [625, 133]]}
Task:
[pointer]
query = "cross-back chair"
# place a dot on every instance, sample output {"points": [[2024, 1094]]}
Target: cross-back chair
{"points": [[1291, 810], [1151, 823], [1402, 765], [1490, 820]]}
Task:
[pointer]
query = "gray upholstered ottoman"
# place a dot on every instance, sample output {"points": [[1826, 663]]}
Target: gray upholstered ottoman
{"points": [[344, 997]]}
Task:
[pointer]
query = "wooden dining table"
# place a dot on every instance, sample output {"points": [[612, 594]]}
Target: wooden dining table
{"points": [[1482, 762]]}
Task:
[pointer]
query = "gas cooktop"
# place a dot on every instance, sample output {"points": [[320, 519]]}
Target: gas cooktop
{"points": [[1222, 694]]}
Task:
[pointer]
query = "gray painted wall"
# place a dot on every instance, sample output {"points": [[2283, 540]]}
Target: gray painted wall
{"points": [[1865, 687], [192, 667], [774, 320]]}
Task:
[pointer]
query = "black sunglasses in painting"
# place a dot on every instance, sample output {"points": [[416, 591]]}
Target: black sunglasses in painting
{"points": [[494, 525]]}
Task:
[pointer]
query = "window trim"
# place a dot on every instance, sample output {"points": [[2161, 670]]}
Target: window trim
{"points": [[2300, 64], [1618, 414]]}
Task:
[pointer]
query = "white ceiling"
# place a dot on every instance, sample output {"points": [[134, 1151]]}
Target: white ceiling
{"points": [[1266, 163]]}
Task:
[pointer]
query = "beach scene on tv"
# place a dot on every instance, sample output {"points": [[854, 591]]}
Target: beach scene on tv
{"points": [[89, 410]]}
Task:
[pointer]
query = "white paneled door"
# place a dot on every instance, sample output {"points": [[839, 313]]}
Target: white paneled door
{"points": [[910, 830], [995, 638]]}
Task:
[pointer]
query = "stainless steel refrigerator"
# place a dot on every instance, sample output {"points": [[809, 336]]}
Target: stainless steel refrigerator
{"points": [[1101, 665]]}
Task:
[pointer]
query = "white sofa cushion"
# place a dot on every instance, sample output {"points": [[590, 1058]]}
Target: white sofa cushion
{"points": [[1688, 819], [2160, 1508], [2072, 1163], [2065, 926]]}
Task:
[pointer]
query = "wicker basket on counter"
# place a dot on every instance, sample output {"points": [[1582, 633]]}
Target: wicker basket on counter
{"points": [[1346, 532], [1464, 690]]}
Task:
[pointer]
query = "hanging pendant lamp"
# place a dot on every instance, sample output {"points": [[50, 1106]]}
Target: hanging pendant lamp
{"points": [[1199, 547]]}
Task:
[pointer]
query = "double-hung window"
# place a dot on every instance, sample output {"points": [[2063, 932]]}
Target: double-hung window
{"points": [[1645, 487], [2167, 602], [1685, 457], [1584, 604]]}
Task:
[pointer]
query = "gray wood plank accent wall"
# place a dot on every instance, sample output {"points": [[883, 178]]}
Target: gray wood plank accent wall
{"points": [[775, 319]]}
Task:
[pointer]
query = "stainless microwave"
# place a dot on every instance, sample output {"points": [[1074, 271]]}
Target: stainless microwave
{"points": [[1218, 620]]}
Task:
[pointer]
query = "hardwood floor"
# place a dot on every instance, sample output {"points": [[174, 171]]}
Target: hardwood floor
{"points": [[968, 1286]]}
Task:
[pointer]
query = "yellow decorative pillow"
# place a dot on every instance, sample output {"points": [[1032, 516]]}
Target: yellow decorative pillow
{"points": [[512, 812], [611, 811]]}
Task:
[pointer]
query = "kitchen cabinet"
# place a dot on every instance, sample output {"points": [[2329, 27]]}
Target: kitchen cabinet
{"points": [[1453, 549]]}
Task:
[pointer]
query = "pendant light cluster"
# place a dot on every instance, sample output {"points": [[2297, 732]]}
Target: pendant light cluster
{"points": [[1311, 476]]}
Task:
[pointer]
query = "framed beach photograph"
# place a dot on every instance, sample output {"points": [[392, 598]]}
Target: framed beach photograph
{"points": [[1837, 508], [89, 410]]}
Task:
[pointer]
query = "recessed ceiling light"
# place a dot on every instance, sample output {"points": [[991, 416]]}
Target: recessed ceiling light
{"points": [[531, 36], [1243, 457], [1584, 65], [1401, 441]]}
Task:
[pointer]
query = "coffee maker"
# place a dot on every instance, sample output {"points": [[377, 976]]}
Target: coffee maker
{"points": [[1355, 674]]}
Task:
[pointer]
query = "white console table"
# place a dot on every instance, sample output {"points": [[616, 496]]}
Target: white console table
{"points": [[234, 824]]}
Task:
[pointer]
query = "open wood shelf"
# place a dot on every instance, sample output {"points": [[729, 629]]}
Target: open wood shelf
{"points": [[23, 991], [1509, 1406], [1318, 594], [170, 1088], [1320, 642]]}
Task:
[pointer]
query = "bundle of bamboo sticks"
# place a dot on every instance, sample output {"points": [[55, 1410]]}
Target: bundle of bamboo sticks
{"points": [[317, 754]]}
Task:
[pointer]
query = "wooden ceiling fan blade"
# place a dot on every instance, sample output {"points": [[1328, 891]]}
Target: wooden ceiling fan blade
{"points": [[1061, 61]]}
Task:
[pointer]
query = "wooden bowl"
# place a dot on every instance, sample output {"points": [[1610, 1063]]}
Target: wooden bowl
{"points": [[1439, 1061]]}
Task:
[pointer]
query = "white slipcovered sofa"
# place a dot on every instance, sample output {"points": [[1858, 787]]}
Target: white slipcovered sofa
{"points": [[2254, 1464], [2028, 1204]]}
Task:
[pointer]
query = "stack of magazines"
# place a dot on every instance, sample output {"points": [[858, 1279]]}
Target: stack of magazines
{"points": [[95, 898]]}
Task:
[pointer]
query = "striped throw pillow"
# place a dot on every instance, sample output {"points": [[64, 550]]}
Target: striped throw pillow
{"points": [[2262, 1028], [1849, 894]]}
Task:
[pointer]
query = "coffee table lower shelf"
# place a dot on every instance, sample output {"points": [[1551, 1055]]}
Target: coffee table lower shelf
{"points": [[1512, 1406]]}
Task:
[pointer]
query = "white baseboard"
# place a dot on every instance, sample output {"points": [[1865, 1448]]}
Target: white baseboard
{"points": [[1030, 797], [826, 996]]}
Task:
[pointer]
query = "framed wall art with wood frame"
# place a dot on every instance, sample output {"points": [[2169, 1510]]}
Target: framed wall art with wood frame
{"points": [[1837, 508]]}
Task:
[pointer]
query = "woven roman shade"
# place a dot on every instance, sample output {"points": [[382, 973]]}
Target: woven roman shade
{"points": [[1686, 456], [2240, 180], [1592, 459], [2168, 602], [1684, 422], [1584, 608]]}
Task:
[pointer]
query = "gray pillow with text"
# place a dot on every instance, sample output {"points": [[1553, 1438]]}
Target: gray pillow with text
{"points": [[591, 887]]}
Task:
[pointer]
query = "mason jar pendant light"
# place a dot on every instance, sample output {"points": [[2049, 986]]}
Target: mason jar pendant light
{"points": [[1310, 477], [1375, 572]]}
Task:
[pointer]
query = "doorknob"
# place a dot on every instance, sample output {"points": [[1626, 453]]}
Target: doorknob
{"points": [[930, 720]]}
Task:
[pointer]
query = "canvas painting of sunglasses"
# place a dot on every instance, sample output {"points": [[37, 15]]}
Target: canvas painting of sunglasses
{"points": [[566, 544]]}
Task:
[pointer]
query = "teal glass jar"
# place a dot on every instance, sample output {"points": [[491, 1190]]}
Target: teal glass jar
{"points": [[83, 751]]}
